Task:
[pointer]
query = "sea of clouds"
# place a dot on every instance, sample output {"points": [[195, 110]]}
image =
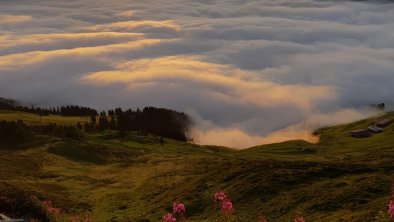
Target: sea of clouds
{"points": [[249, 72]]}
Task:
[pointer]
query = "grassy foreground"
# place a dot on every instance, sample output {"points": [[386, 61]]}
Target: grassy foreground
{"points": [[136, 177]]}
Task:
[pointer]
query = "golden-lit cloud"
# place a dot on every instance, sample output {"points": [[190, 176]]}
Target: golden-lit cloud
{"points": [[229, 137], [132, 25], [20, 60], [14, 18], [228, 82], [125, 14], [48, 38], [236, 138], [59, 40]]}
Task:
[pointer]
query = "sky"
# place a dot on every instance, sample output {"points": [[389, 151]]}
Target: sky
{"points": [[249, 72]]}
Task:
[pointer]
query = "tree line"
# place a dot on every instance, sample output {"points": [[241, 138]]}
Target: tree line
{"points": [[69, 110], [150, 120]]}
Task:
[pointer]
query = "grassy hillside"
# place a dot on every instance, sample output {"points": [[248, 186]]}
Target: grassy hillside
{"points": [[136, 177], [36, 119]]}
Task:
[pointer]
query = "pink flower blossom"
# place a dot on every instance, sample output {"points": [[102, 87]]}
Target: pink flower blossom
{"points": [[391, 209], [220, 196], [299, 219], [227, 206], [178, 208], [52, 211], [168, 218]]}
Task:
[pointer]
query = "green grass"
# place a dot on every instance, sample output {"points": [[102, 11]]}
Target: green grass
{"points": [[36, 119], [339, 179]]}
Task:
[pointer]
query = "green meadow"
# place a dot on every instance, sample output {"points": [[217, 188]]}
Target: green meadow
{"points": [[136, 178], [30, 118]]}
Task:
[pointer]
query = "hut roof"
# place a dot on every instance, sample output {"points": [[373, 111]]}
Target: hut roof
{"points": [[384, 122], [360, 133]]}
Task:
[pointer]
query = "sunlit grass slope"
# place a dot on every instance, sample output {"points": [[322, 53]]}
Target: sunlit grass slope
{"points": [[30, 118], [136, 177]]}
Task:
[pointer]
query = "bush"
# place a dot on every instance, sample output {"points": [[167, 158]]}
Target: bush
{"points": [[13, 133], [21, 204]]}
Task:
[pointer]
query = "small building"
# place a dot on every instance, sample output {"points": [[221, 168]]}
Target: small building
{"points": [[361, 133], [375, 129], [384, 123]]}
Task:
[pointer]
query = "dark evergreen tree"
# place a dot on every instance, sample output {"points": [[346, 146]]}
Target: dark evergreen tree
{"points": [[103, 123], [93, 119], [157, 121], [112, 122]]}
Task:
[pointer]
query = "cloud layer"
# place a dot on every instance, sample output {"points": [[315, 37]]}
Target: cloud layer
{"points": [[249, 72]]}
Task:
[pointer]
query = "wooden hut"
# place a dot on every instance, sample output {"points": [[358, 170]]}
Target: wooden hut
{"points": [[375, 129], [361, 133]]}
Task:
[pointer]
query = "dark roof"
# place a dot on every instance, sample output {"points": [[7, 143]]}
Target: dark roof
{"points": [[361, 133], [384, 122]]}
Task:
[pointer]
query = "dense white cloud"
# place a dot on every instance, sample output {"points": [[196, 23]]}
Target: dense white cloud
{"points": [[249, 72]]}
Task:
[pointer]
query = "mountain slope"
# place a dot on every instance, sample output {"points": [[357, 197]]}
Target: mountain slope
{"points": [[136, 177]]}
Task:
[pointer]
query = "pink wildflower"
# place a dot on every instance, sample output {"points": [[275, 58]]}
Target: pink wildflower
{"points": [[178, 208], [52, 211], [227, 206], [262, 218], [391, 209], [299, 219], [168, 218], [220, 196]]}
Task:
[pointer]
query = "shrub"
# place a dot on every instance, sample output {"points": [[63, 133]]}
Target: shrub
{"points": [[14, 133]]}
